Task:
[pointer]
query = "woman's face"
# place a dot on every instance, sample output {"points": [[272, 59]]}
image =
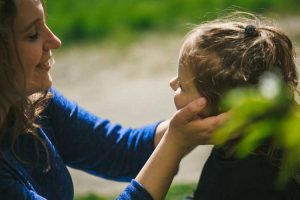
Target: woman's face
{"points": [[33, 42]]}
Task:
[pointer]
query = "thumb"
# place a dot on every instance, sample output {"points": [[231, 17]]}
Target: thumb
{"points": [[190, 111]]}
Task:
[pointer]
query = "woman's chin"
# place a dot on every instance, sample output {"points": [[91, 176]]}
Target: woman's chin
{"points": [[39, 88]]}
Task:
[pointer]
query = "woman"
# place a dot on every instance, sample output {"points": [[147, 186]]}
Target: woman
{"points": [[41, 132]]}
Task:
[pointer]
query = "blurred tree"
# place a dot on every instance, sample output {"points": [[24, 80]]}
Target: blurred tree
{"points": [[95, 19]]}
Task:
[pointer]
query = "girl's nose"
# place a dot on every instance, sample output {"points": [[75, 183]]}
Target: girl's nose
{"points": [[173, 83]]}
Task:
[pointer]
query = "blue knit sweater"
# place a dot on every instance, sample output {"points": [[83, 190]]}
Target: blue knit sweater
{"points": [[78, 139]]}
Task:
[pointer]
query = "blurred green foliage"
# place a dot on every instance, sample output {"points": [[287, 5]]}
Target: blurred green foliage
{"points": [[176, 192], [266, 113], [180, 191], [92, 196], [98, 19]]}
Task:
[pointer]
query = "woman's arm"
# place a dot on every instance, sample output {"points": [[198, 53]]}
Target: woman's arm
{"points": [[185, 132], [89, 143], [160, 130]]}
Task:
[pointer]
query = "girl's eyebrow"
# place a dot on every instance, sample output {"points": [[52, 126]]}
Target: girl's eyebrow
{"points": [[28, 27]]}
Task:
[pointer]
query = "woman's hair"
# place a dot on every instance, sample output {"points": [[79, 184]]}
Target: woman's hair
{"points": [[18, 112], [234, 52]]}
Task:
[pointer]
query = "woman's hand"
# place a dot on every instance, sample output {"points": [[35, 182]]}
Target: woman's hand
{"points": [[186, 130]]}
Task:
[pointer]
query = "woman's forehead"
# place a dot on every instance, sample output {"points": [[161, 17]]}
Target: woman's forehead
{"points": [[28, 11], [33, 1], [18, 3], [27, 8]]}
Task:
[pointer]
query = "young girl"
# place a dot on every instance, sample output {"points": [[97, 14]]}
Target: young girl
{"points": [[42, 132], [221, 55]]}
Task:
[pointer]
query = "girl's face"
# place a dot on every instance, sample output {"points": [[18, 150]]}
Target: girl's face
{"points": [[184, 88], [33, 42]]}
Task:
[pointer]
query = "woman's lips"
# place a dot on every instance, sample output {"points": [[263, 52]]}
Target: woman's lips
{"points": [[47, 65]]}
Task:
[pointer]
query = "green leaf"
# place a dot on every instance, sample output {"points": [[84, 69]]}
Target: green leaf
{"points": [[290, 130], [254, 135]]}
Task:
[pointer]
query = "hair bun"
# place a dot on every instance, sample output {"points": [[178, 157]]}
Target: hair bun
{"points": [[250, 31]]}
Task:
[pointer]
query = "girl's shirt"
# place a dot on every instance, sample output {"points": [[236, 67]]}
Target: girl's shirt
{"points": [[253, 177], [78, 139]]}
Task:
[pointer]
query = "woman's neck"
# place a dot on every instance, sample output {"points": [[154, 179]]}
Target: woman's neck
{"points": [[4, 108]]}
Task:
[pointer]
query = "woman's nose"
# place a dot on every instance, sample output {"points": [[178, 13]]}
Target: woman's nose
{"points": [[52, 41], [56, 43], [173, 83]]}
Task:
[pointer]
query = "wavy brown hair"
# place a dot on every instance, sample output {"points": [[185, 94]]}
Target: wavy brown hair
{"points": [[235, 51], [18, 111], [222, 56]]}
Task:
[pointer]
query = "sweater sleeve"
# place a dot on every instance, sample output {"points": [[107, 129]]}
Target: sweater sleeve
{"points": [[19, 192], [11, 188], [135, 191], [89, 143]]}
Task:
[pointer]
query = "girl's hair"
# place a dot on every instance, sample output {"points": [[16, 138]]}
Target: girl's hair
{"points": [[18, 112], [235, 51]]}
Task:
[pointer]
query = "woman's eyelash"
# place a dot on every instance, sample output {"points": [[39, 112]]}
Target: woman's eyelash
{"points": [[33, 36]]}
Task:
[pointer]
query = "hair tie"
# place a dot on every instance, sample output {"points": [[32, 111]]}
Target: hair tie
{"points": [[250, 31]]}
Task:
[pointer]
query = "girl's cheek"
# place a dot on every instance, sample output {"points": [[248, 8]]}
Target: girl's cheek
{"points": [[179, 102], [176, 102]]}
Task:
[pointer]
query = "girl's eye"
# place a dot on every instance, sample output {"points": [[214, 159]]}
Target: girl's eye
{"points": [[34, 36]]}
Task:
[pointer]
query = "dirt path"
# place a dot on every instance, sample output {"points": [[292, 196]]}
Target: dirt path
{"points": [[128, 86], [130, 89]]}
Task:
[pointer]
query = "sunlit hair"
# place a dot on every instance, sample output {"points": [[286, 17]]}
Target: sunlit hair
{"points": [[18, 112], [235, 51], [222, 55]]}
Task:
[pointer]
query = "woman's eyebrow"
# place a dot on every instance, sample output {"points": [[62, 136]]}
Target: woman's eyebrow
{"points": [[28, 27]]}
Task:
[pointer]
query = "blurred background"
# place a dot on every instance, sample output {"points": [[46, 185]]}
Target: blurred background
{"points": [[118, 56]]}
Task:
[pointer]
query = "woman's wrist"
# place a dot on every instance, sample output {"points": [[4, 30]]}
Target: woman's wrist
{"points": [[162, 167], [160, 131], [179, 145]]}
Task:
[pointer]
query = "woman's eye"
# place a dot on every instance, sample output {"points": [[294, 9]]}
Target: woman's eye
{"points": [[33, 36]]}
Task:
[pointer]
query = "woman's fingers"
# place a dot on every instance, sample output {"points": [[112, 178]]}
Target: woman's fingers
{"points": [[189, 112], [210, 123], [206, 126], [189, 130]]}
